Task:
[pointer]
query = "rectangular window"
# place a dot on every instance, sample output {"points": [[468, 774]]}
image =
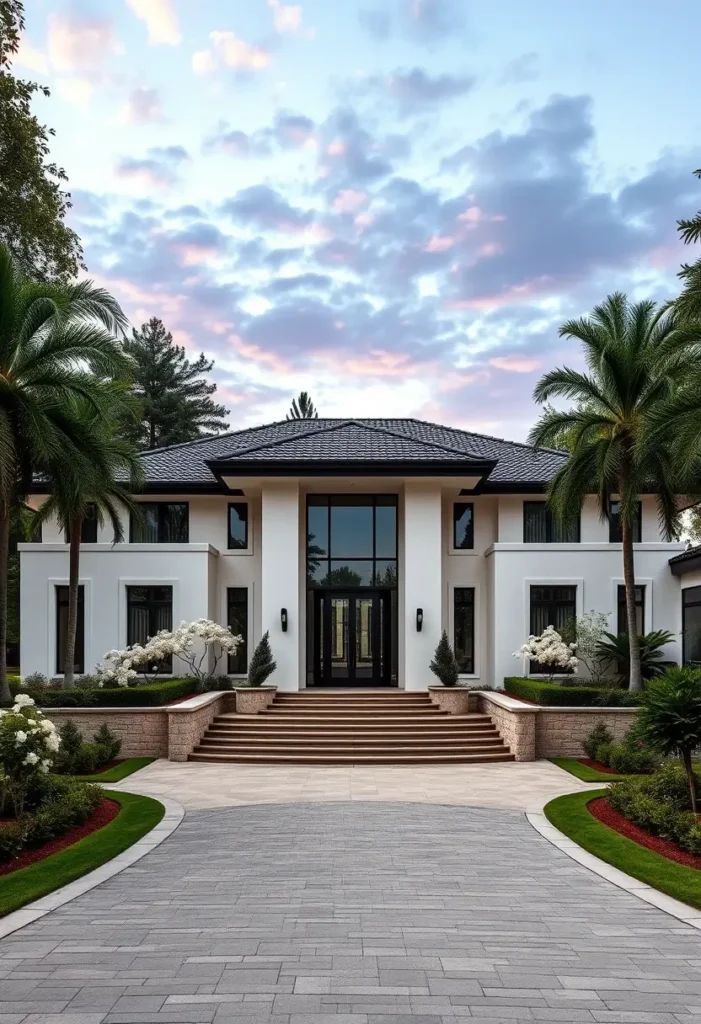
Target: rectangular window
{"points": [[88, 531], [149, 609], [352, 540], [691, 626], [463, 526], [62, 631], [615, 532], [161, 522], [464, 628], [639, 609], [237, 621], [238, 526], [540, 526], [553, 606]]}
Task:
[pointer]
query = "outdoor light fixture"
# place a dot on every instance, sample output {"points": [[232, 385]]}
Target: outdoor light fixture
{"points": [[283, 619], [419, 619]]}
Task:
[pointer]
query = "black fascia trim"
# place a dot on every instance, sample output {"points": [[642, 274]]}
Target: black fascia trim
{"points": [[347, 467], [163, 487], [514, 487], [681, 566]]}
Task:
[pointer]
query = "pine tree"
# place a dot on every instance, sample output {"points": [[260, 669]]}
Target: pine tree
{"points": [[262, 664], [444, 664], [302, 408], [172, 402]]}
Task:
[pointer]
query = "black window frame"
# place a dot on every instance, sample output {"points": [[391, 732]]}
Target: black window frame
{"points": [[615, 533], [61, 599], [381, 565], [552, 603], [166, 666], [237, 664], [230, 541], [550, 525], [622, 612], [161, 506], [466, 663], [469, 534], [88, 529], [687, 593]]}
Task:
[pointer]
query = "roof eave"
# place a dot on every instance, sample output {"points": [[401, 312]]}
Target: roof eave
{"points": [[350, 468]]}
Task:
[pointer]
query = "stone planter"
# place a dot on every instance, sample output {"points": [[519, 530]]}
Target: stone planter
{"points": [[252, 699], [456, 700]]}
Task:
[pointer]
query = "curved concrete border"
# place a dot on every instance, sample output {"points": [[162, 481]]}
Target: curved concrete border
{"points": [[174, 814], [643, 891]]}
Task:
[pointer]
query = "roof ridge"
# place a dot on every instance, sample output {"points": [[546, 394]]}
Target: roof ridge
{"points": [[210, 437], [487, 437], [420, 440], [310, 432]]}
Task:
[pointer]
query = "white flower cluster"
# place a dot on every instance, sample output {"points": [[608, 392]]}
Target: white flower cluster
{"points": [[191, 642], [27, 740], [549, 649]]}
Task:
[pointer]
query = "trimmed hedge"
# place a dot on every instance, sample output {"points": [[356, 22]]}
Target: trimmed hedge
{"points": [[555, 695], [148, 695], [661, 805], [66, 803]]}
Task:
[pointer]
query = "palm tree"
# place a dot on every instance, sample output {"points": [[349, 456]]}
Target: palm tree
{"points": [[670, 718], [302, 408], [94, 484], [689, 302], [636, 356], [57, 346]]}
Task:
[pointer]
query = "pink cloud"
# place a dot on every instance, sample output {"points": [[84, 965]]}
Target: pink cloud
{"points": [[439, 243], [228, 50], [348, 200], [80, 44], [143, 106], [161, 20], [515, 364], [286, 17], [259, 355]]}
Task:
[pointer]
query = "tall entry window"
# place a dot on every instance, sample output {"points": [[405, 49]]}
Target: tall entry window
{"points": [[464, 628], [237, 621], [552, 606], [352, 541], [149, 609], [62, 631], [622, 616], [691, 625]]}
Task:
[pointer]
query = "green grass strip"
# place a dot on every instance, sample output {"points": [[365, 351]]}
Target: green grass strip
{"points": [[570, 815], [118, 771], [139, 814], [584, 771]]}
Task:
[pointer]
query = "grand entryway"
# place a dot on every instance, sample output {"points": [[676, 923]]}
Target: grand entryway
{"points": [[352, 638]]}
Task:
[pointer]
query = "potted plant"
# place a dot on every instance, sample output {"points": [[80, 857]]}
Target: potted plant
{"points": [[449, 696], [253, 695]]}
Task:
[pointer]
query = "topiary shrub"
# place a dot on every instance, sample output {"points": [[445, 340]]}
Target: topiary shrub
{"points": [[261, 665], [599, 735], [108, 742], [444, 664]]}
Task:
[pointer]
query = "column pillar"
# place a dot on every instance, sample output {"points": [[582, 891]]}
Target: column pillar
{"points": [[280, 560], [423, 582]]}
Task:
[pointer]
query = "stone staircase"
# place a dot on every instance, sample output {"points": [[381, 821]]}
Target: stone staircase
{"points": [[352, 727]]}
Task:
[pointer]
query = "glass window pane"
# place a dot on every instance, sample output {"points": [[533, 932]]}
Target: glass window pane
{"points": [[351, 531], [317, 531], [62, 631], [615, 532], [622, 623], [237, 620], [144, 529], [238, 525], [88, 533], [350, 574], [464, 628], [463, 525], [385, 573], [691, 624], [149, 610], [386, 531], [174, 528], [317, 572], [535, 529], [562, 534]]}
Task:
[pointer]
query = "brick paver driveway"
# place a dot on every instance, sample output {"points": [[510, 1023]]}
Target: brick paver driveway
{"points": [[353, 913]]}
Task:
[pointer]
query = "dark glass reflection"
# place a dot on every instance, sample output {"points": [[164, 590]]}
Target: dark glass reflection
{"points": [[386, 531], [351, 531]]}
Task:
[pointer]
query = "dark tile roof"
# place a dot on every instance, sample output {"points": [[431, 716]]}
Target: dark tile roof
{"points": [[403, 440], [687, 555]]}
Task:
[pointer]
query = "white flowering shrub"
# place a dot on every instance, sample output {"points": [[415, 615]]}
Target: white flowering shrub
{"points": [[550, 651], [28, 742], [192, 642], [591, 628]]}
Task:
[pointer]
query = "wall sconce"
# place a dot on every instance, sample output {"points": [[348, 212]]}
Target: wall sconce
{"points": [[283, 619], [419, 619]]}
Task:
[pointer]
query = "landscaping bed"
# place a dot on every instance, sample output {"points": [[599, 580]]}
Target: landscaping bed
{"points": [[551, 694], [146, 695], [604, 812], [103, 814]]}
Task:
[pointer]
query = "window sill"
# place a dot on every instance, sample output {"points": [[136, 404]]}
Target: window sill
{"points": [[463, 551], [236, 552]]}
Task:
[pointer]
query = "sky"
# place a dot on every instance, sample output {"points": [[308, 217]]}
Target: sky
{"points": [[390, 204]]}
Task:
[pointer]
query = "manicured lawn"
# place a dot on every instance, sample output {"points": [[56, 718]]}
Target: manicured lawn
{"points": [[118, 771], [139, 814], [584, 771], [570, 815]]}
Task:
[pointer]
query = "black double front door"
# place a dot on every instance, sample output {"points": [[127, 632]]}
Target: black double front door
{"points": [[352, 638]]}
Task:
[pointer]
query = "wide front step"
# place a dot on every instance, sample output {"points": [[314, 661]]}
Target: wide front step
{"points": [[345, 742], [306, 758]]}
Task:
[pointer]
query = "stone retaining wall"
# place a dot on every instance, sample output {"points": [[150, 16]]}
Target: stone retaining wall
{"points": [[143, 731], [515, 722], [186, 723]]}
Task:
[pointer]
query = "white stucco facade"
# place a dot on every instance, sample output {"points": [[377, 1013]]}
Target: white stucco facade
{"points": [[271, 571]]}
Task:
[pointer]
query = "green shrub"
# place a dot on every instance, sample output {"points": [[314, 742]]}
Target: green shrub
{"points": [[557, 695], [631, 759], [444, 665], [147, 695], [71, 739], [661, 804], [12, 836], [67, 803], [603, 753], [75, 757], [599, 734], [109, 742]]}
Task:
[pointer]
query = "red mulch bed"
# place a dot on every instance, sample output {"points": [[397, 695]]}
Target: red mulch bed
{"points": [[597, 765], [103, 814], [602, 811]]}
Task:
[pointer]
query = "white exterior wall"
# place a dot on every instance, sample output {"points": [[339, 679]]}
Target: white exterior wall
{"points": [[280, 583], [422, 581]]}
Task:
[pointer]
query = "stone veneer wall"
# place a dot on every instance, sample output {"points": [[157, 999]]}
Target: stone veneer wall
{"points": [[515, 722], [188, 721], [560, 731], [143, 731]]}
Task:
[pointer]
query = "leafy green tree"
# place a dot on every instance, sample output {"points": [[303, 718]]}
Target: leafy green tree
{"points": [[614, 649], [689, 302], [302, 408], [57, 350], [444, 664], [171, 401], [637, 358], [670, 717], [261, 665], [33, 204], [95, 485]]}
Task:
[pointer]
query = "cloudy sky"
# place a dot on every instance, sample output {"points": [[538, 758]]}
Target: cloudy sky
{"points": [[392, 204]]}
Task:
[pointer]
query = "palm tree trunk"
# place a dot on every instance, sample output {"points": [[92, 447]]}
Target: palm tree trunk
{"points": [[73, 585], [686, 758], [5, 695], [636, 678]]}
